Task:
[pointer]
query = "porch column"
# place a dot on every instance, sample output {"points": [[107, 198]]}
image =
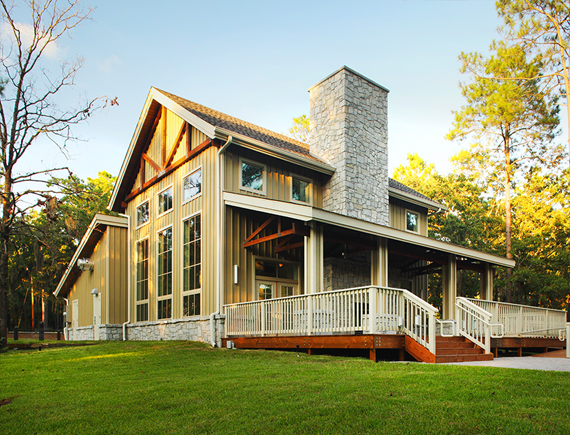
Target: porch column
{"points": [[449, 283], [486, 291], [379, 264], [314, 258]]}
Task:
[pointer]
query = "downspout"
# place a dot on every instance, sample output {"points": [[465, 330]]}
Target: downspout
{"points": [[65, 328], [128, 275], [220, 234]]}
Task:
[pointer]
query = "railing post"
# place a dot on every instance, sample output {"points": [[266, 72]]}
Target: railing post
{"points": [[567, 340], [487, 338], [263, 319], [457, 319], [432, 332], [520, 320], [309, 314], [372, 326]]}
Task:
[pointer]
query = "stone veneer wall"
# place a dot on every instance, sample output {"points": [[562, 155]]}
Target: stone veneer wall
{"points": [[193, 329], [345, 273], [349, 130]]}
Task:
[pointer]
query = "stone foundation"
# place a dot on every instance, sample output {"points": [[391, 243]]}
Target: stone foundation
{"points": [[193, 329]]}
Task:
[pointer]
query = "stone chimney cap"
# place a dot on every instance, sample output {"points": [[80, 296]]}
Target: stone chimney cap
{"points": [[344, 67]]}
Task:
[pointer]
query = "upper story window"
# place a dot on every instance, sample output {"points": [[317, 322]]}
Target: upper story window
{"points": [[412, 221], [192, 185], [252, 177], [143, 213], [165, 201], [301, 190]]}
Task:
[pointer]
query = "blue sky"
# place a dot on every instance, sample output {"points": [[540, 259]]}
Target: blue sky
{"points": [[256, 59]]}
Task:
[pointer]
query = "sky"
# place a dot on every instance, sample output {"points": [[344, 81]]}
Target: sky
{"points": [[255, 60]]}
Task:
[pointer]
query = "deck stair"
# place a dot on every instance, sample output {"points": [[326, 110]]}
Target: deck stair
{"points": [[458, 349]]}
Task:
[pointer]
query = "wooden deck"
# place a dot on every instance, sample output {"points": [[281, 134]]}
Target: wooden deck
{"points": [[452, 349]]}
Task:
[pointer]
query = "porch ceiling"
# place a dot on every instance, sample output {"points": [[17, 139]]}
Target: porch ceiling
{"points": [[307, 213]]}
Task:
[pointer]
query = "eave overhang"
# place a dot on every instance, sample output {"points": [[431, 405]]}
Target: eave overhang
{"points": [[94, 232], [308, 213], [430, 205]]}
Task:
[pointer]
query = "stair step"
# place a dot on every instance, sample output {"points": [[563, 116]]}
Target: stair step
{"points": [[459, 351], [463, 358], [455, 345]]}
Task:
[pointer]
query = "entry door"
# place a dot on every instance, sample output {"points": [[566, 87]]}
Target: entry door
{"points": [[96, 315], [275, 289], [75, 317]]}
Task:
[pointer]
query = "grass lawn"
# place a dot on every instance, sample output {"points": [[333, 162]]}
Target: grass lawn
{"points": [[185, 387]]}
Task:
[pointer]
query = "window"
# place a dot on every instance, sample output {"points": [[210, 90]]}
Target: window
{"points": [[192, 185], [252, 177], [143, 213], [165, 201], [142, 280], [301, 190], [191, 267], [164, 287], [412, 221]]}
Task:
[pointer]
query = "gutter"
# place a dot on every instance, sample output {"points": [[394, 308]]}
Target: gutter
{"points": [[221, 238], [128, 275]]}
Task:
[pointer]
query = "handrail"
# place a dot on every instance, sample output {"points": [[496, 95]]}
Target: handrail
{"points": [[515, 305], [471, 317]]}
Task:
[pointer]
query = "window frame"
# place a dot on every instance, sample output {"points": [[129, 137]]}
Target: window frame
{"points": [[306, 180], [158, 213], [147, 300], [183, 292], [146, 201], [263, 176], [192, 198], [168, 296], [406, 221]]}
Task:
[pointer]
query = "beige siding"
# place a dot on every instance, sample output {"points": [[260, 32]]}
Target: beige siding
{"points": [[278, 176], [203, 204], [118, 267], [239, 225], [398, 215], [87, 281]]}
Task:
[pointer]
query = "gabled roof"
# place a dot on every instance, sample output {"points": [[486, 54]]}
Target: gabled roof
{"points": [[215, 125], [399, 190], [94, 232]]}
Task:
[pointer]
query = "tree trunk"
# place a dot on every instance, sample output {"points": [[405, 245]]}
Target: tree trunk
{"points": [[508, 217]]}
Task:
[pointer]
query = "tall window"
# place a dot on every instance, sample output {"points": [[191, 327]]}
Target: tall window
{"points": [[300, 190], [142, 280], [192, 185], [412, 221], [192, 266], [165, 201], [143, 213], [164, 287], [252, 177]]}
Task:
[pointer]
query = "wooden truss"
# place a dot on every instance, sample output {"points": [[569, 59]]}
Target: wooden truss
{"points": [[286, 236]]}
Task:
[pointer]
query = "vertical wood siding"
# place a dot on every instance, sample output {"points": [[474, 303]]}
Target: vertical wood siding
{"points": [[118, 268], [204, 204], [398, 216]]}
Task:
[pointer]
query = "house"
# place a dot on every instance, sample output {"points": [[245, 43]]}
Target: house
{"points": [[242, 236]]}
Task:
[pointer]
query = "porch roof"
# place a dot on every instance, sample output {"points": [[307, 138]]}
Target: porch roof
{"points": [[307, 213]]}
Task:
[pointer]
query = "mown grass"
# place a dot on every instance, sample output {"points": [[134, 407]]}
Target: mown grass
{"points": [[184, 387]]}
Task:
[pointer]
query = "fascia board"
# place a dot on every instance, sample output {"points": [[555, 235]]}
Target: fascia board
{"points": [[432, 205], [256, 145], [163, 100], [308, 213]]}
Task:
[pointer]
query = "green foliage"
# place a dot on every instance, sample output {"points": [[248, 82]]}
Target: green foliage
{"points": [[189, 388], [44, 241], [300, 128]]}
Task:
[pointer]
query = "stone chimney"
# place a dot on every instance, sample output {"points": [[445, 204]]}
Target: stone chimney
{"points": [[349, 130]]}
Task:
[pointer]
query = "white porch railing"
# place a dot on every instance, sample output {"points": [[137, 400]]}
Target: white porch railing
{"points": [[365, 310], [474, 323], [524, 320]]}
